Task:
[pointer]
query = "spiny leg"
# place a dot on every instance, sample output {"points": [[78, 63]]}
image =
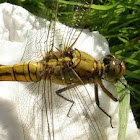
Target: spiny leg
{"points": [[125, 92], [109, 94], [106, 91], [98, 103], [58, 92], [121, 98]]}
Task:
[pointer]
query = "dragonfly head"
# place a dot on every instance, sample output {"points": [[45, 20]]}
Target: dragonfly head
{"points": [[114, 68]]}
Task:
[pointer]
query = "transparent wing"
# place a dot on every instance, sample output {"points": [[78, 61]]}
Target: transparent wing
{"points": [[46, 35], [36, 41], [44, 113]]}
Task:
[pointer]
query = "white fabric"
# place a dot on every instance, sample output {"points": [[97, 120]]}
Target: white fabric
{"points": [[15, 23]]}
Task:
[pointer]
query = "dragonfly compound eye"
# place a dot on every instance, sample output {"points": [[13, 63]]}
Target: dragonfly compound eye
{"points": [[114, 68]]}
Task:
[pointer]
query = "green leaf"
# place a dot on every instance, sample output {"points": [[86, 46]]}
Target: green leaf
{"points": [[123, 111], [130, 61], [93, 6], [133, 74]]}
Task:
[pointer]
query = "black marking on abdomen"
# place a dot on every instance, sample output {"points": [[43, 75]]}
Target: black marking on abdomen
{"points": [[24, 71], [14, 73], [29, 72], [5, 74]]}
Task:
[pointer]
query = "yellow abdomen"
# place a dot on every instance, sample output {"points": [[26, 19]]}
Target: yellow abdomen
{"points": [[25, 72]]}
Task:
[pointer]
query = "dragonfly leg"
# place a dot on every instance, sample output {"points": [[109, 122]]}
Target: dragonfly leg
{"points": [[98, 103], [106, 91], [58, 92], [109, 94], [125, 92], [121, 98]]}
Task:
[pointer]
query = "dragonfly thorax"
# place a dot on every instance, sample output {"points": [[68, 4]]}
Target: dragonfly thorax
{"points": [[76, 65], [73, 64]]}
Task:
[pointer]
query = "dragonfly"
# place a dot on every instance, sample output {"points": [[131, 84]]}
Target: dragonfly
{"points": [[45, 65]]}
